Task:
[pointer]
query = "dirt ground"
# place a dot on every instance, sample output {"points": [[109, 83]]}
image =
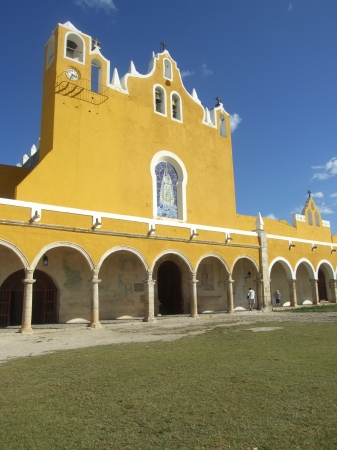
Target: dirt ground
{"points": [[50, 338]]}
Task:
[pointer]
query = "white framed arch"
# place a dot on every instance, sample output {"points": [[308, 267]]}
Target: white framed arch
{"points": [[123, 248], [79, 41], [252, 260], [174, 96], [175, 253], [179, 167], [307, 264], [163, 107], [17, 251], [52, 245], [328, 266], [167, 69], [212, 255], [285, 264]]}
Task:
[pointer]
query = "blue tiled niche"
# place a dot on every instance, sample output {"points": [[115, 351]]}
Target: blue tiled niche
{"points": [[167, 179]]}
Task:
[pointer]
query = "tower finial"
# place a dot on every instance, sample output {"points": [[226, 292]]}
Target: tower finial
{"points": [[95, 44], [309, 193], [218, 99], [163, 45]]}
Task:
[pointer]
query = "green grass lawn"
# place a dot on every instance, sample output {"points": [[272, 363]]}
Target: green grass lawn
{"points": [[229, 388], [314, 308]]}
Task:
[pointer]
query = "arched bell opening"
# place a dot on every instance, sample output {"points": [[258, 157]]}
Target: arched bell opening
{"points": [[244, 274], [212, 287], [122, 288], [44, 305]]}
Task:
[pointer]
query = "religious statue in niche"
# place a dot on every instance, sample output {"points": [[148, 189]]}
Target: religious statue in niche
{"points": [[167, 179], [206, 278]]}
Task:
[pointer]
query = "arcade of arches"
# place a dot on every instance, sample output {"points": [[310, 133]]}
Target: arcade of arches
{"points": [[70, 289]]}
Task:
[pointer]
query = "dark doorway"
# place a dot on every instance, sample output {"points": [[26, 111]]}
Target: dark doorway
{"points": [[169, 288], [11, 299], [322, 294]]}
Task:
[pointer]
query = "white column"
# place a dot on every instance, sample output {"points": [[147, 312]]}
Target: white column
{"points": [[26, 326], [149, 298], [194, 297], [230, 296], [292, 292], [333, 287], [95, 323], [314, 291]]}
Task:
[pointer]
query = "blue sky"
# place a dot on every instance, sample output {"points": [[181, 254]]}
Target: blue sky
{"points": [[272, 62]]}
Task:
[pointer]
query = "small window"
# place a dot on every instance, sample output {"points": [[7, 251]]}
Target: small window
{"points": [[160, 100], [222, 125], [176, 107], [167, 69], [74, 47], [50, 51], [96, 76], [317, 219], [310, 218]]}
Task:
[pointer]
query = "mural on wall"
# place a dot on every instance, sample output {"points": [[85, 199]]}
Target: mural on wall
{"points": [[167, 179], [74, 279], [206, 277]]}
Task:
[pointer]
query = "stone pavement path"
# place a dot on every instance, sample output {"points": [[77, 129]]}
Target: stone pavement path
{"points": [[50, 338]]}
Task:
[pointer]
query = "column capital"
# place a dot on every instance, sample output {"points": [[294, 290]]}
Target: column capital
{"points": [[313, 280], [194, 278], [28, 281], [230, 279]]}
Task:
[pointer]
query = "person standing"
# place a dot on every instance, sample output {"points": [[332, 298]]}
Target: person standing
{"points": [[277, 297], [251, 299]]}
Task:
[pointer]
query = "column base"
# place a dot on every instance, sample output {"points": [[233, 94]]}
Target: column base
{"points": [[230, 312], [149, 319], [95, 325], [194, 316], [26, 331]]}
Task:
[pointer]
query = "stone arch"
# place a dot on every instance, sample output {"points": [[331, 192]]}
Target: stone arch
{"points": [[244, 268], [328, 267], [186, 272], [17, 251], [72, 245], [123, 248], [285, 264], [212, 288], [304, 272]]}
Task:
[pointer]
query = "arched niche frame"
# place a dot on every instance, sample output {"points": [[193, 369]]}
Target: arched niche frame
{"points": [[176, 162], [76, 50]]}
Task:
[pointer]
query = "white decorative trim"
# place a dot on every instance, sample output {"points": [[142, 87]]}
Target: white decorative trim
{"points": [[328, 266], [172, 252], [63, 244], [252, 260], [303, 241], [17, 251], [306, 263], [325, 223], [123, 248], [299, 217], [285, 264], [85, 212], [179, 167], [212, 255]]}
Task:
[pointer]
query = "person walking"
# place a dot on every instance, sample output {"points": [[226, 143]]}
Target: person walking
{"points": [[277, 297], [251, 299]]}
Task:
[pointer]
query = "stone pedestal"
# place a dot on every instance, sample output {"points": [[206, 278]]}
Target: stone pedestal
{"points": [[95, 323], [314, 291], [292, 292], [194, 297], [26, 326], [333, 287], [230, 296], [149, 298]]}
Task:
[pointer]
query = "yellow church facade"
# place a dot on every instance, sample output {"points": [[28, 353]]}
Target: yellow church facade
{"points": [[127, 208]]}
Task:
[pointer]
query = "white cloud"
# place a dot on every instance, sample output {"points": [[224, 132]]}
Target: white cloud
{"points": [[330, 170], [271, 216], [235, 119], [334, 195], [325, 209], [186, 73], [297, 210], [317, 195], [205, 71], [290, 7], [107, 5]]}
